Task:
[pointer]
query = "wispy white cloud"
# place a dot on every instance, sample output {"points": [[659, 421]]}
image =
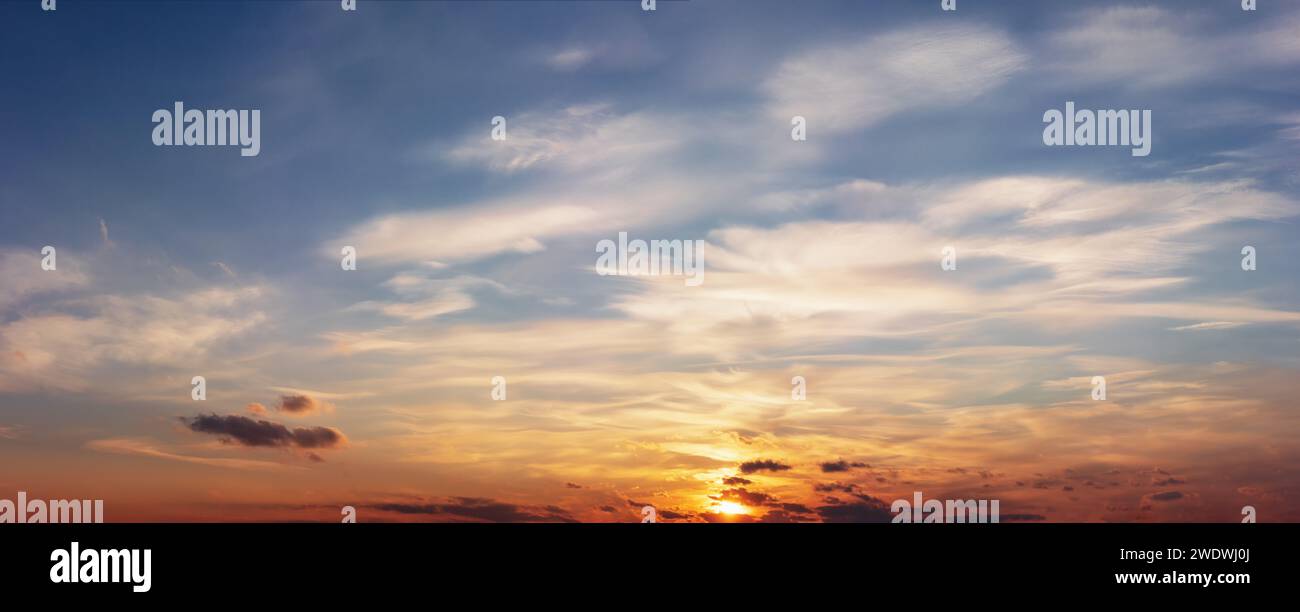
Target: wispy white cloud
{"points": [[147, 448], [1208, 325], [576, 138], [848, 86], [1148, 47], [1101, 251], [427, 298], [103, 232], [440, 237], [68, 346], [571, 58], [24, 277]]}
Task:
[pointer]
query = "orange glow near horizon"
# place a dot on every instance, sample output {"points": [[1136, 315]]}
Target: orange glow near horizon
{"points": [[727, 507]]}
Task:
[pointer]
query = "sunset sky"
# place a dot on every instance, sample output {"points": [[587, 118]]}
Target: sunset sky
{"points": [[476, 259]]}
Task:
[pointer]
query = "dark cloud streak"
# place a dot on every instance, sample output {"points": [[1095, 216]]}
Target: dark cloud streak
{"points": [[749, 467], [243, 430]]}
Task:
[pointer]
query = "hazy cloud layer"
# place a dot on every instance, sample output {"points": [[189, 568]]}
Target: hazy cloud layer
{"points": [[822, 257]]}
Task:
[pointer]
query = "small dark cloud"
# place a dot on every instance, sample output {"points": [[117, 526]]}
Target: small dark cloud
{"points": [[749, 467], [734, 481], [298, 404], [609, 509], [1167, 496], [316, 437], [659, 512], [832, 487], [572, 485], [484, 510], [870, 510], [747, 497], [1168, 482], [243, 430], [841, 466], [781, 516]]}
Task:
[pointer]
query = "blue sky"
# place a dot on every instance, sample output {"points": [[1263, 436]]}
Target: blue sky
{"points": [[924, 130]]}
